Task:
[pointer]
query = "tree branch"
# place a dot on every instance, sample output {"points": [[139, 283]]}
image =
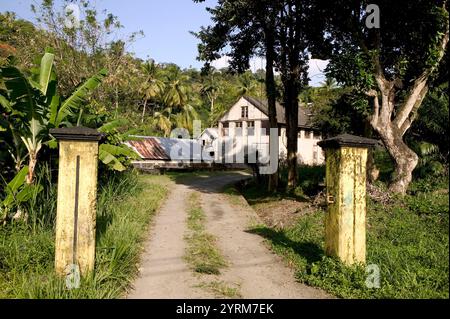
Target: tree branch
{"points": [[420, 87], [407, 123]]}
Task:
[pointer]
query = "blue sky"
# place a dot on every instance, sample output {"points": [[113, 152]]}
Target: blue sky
{"points": [[166, 24]]}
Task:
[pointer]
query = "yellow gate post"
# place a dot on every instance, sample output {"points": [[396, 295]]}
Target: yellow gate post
{"points": [[345, 222], [76, 204]]}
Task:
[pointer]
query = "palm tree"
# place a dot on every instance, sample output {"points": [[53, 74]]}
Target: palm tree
{"points": [[186, 117], [162, 120], [212, 88], [246, 83], [329, 84], [177, 91], [152, 86]]}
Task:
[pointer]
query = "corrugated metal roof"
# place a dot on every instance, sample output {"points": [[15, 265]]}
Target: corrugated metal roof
{"points": [[149, 148], [163, 148], [180, 148]]}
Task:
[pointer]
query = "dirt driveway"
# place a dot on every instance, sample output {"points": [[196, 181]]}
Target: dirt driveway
{"points": [[253, 268]]}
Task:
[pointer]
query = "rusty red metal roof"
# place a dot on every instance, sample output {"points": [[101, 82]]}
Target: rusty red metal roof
{"points": [[150, 148]]}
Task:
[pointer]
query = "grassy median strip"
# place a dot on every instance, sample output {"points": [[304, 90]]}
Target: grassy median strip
{"points": [[201, 252], [221, 289]]}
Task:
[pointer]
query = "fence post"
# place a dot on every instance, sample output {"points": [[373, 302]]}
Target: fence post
{"points": [[345, 222], [76, 204]]}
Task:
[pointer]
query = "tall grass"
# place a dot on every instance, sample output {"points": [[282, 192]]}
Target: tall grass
{"points": [[408, 239], [126, 203]]}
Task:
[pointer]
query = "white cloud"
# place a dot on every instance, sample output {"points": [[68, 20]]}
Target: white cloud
{"points": [[223, 62], [316, 67], [316, 71], [255, 63]]}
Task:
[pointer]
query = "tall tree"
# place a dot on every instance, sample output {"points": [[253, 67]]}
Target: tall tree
{"points": [[152, 87], [293, 65], [212, 88], [393, 63], [246, 26]]}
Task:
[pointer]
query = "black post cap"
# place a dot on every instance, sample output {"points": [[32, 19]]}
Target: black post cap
{"points": [[347, 140], [76, 133]]}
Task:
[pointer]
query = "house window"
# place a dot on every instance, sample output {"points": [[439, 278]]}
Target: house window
{"points": [[251, 128], [225, 128], [238, 129], [307, 135], [244, 112]]}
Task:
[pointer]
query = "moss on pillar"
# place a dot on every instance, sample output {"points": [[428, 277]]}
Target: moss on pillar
{"points": [[345, 222], [76, 204]]}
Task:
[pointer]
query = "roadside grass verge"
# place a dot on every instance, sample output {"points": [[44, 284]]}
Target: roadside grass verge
{"points": [[408, 239], [201, 251], [234, 196], [126, 204]]}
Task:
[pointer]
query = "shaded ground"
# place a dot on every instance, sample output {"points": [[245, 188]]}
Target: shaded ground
{"points": [[253, 268]]}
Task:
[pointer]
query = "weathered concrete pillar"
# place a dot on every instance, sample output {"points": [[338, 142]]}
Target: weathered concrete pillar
{"points": [[76, 204], [345, 222]]}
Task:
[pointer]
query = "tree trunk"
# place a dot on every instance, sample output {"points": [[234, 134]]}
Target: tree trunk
{"points": [[404, 158], [392, 129], [291, 111], [143, 111], [117, 101], [271, 93]]}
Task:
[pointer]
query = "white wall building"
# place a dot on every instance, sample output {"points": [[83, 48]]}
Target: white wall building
{"points": [[247, 123]]}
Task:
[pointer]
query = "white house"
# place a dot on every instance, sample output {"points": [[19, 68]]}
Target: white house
{"points": [[207, 140], [247, 124]]}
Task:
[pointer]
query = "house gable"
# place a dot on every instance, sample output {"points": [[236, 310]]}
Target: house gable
{"points": [[258, 110], [235, 112]]}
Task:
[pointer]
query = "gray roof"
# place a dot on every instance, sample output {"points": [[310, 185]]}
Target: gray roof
{"points": [[304, 115], [211, 132]]}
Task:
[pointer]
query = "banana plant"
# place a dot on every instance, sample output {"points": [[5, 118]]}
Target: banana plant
{"points": [[114, 153], [17, 192], [35, 105]]}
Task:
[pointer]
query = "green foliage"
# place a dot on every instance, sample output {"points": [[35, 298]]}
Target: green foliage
{"points": [[429, 135], [27, 252], [408, 240], [34, 107], [17, 192], [77, 99], [114, 153], [355, 69]]}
